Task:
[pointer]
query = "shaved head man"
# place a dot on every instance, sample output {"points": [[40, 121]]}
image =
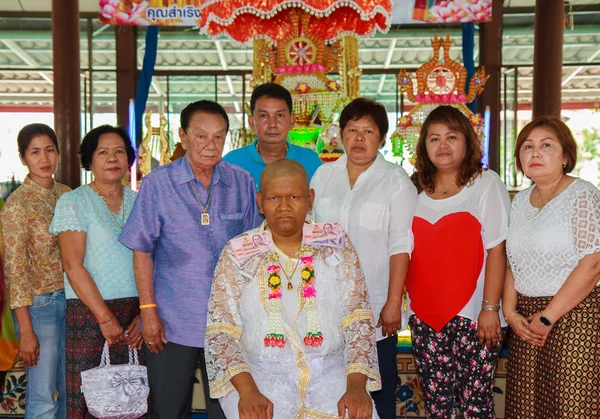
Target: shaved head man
{"points": [[261, 359]]}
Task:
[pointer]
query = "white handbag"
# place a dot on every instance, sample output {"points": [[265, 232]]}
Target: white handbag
{"points": [[116, 391]]}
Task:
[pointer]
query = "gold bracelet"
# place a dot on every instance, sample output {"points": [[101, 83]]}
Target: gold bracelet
{"points": [[506, 314], [490, 307], [147, 306]]}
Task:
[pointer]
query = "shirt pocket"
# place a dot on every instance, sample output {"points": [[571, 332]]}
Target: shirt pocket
{"points": [[371, 215], [233, 222]]}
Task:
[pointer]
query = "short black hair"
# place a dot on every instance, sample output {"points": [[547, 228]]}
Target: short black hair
{"points": [[271, 90], [206, 106], [361, 107], [90, 144], [29, 132]]}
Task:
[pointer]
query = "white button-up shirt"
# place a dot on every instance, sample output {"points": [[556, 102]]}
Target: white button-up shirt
{"points": [[376, 214]]}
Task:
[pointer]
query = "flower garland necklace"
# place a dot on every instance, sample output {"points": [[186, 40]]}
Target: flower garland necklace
{"points": [[275, 336]]}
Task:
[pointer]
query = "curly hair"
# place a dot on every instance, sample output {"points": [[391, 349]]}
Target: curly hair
{"points": [[471, 167]]}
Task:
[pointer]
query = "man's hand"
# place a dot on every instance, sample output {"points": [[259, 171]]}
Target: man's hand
{"points": [[153, 330], [356, 400], [29, 349], [488, 328], [390, 318], [253, 405]]}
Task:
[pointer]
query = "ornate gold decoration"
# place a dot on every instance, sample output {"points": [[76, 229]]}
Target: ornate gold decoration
{"points": [[349, 70], [356, 316], [440, 81], [222, 386], [146, 149], [372, 385], [227, 328]]}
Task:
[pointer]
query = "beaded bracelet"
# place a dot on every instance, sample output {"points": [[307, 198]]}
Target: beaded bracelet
{"points": [[105, 321]]}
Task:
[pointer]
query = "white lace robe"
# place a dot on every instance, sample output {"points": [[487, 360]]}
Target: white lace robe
{"points": [[302, 382]]}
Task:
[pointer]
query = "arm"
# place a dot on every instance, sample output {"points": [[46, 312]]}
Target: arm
{"points": [[585, 222], [488, 323], [225, 362], [390, 316], [403, 206], [153, 330], [72, 250], [517, 322], [358, 329], [579, 284], [18, 281]]}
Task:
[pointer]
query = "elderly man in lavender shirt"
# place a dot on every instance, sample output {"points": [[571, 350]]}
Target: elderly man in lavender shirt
{"points": [[185, 213]]}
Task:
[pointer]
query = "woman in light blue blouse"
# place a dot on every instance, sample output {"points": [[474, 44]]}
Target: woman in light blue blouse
{"points": [[102, 301]]}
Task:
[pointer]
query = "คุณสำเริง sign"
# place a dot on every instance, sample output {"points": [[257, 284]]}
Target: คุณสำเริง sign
{"points": [[150, 12]]}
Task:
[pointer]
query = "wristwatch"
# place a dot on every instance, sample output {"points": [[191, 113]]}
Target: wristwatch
{"points": [[545, 320]]}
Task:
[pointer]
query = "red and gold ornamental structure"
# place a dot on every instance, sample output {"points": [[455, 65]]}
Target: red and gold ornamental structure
{"points": [[440, 81], [298, 44]]}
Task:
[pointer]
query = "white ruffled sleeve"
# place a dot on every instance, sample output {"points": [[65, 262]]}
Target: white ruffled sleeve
{"points": [[495, 210], [585, 221], [224, 355], [358, 325]]}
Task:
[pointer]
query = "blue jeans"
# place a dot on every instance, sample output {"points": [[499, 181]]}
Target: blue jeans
{"points": [[48, 320]]}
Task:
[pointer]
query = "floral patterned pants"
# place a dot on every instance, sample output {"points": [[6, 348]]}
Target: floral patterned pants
{"points": [[456, 370]]}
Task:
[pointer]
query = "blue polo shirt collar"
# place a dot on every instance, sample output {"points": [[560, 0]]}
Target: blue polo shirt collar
{"points": [[183, 173], [291, 152]]}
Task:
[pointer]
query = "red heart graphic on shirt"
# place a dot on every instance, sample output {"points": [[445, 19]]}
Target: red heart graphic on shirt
{"points": [[444, 267]]}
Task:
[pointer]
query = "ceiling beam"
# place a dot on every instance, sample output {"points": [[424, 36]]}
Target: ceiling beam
{"points": [[575, 72], [27, 59]]}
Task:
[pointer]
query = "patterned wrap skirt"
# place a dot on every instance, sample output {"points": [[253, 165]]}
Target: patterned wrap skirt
{"points": [[84, 343], [561, 379]]}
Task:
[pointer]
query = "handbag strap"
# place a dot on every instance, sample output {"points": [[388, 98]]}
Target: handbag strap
{"points": [[105, 360]]}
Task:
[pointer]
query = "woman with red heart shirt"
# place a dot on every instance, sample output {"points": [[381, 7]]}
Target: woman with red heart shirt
{"points": [[456, 272]]}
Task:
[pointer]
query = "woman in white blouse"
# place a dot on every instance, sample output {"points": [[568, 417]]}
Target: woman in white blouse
{"points": [[552, 294], [457, 268], [375, 202]]}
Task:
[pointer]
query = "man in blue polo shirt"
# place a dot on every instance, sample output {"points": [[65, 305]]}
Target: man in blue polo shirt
{"points": [[271, 120]]}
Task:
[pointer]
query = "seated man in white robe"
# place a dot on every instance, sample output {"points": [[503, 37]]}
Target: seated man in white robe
{"points": [[290, 333]]}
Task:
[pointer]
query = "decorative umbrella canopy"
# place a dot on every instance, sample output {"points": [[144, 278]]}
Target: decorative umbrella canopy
{"points": [[296, 43], [244, 20]]}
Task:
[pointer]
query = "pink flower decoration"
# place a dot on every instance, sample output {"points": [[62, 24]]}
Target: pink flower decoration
{"points": [[275, 296], [306, 260], [273, 269], [310, 292]]}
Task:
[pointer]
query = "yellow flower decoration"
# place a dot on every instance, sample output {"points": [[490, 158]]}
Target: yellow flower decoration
{"points": [[305, 274], [274, 281]]}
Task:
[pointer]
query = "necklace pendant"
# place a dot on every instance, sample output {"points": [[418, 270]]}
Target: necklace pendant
{"points": [[205, 219], [290, 287]]}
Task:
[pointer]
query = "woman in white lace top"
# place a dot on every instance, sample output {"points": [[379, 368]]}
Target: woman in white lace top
{"points": [[552, 294]]}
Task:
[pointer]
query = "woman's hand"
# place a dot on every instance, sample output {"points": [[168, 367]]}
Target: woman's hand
{"points": [[488, 328], [537, 327], [390, 318], [29, 349], [133, 336], [520, 326], [112, 331]]}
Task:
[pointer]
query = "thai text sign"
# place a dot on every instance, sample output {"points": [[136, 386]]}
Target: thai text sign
{"points": [[150, 12]]}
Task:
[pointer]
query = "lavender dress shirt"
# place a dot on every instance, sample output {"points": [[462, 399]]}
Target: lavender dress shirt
{"points": [[165, 221]]}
